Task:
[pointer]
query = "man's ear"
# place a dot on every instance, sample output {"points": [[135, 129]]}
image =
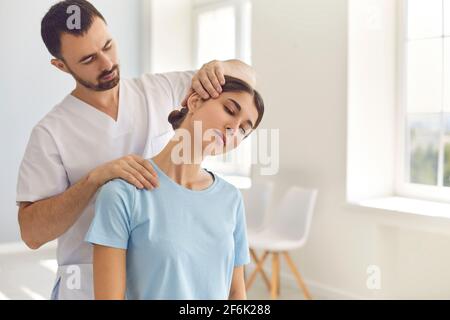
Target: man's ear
{"points": [[194, 102], [58, 63]]}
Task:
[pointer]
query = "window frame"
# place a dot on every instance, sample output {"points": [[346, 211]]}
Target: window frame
{"points": [[402, 185], [240, 36]]}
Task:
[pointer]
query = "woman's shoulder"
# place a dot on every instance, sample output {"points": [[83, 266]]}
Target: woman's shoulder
{"points": [[227, 187], [118, 187]]}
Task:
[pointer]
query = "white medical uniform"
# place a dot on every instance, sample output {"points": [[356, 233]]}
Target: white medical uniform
{"points": [[74, 138]]}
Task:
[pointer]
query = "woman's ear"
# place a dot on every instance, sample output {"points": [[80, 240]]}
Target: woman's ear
{"points": [[194, 101]]}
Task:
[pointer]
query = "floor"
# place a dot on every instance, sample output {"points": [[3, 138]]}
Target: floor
{"points": [[30, 275], [27, 275]]}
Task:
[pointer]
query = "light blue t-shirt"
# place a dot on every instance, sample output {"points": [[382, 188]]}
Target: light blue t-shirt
{"points": [[181, 244]]}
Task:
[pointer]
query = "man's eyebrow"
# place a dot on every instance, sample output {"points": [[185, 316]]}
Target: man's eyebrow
{"points": [[107, 43], [238, 106], [93, 54]]}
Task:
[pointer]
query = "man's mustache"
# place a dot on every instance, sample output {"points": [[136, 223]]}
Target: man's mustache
{"points": [[105, 73]]}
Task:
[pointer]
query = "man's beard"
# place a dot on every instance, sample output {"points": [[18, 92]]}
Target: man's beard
{"points": [[100, 85]]}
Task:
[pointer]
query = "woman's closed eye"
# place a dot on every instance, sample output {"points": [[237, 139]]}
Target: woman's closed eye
{"points": [[228, 110], [231, 112]]}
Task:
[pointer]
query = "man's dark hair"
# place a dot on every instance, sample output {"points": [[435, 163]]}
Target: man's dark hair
{"points": [[55, 23]]}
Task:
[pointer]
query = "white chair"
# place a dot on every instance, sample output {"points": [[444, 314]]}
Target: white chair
{"points": [[257, 200], [288, 230]]}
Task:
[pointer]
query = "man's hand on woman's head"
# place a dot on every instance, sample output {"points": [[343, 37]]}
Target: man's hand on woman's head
{"points": [[208, 81]]}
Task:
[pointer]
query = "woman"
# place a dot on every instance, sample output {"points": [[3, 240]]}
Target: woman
{"points": [[187, 238]]}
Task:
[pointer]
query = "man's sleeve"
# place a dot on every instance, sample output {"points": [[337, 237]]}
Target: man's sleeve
{"points": [[111, 225], [41, 173], [179, 84], [172, 85], [241, 253]]}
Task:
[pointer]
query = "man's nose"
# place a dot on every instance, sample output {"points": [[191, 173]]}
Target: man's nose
{"points": [[106, 63]]}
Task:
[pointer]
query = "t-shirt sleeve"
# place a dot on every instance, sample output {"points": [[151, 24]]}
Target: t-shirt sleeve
{"points": [[241, 253], [41, 172], [111, 226]]}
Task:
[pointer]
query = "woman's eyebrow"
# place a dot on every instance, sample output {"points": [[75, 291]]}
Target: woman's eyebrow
{"points": [[238, 106]]}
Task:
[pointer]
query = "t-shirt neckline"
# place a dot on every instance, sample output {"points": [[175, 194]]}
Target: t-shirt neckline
{"points": [[161, 173], [122, 125]]}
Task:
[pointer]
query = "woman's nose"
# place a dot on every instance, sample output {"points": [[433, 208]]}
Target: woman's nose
{"points": [[231, 131]]}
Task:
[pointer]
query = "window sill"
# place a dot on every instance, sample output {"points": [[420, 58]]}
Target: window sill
{"points": [[404, 212], [408, 205]]}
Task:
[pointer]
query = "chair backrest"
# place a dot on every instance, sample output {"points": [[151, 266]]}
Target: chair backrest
{"points": [[293, 217], [256, 200]]}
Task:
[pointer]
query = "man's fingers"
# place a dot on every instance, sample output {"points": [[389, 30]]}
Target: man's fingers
{"points": [[147, 165], [197, 86], [215, 81], [206, 83], [220, 75], [145, 168], [128, 177], [139, 177], [147, 171]]}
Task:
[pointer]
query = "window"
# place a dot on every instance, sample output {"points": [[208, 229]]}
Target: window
{"points": [[222, 32], [425, 104]]}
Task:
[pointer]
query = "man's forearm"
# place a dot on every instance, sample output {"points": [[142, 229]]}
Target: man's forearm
{"points": [[241, 70], [46, 220]]}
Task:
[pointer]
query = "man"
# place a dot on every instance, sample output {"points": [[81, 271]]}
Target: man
{"points": [[104, 129]]}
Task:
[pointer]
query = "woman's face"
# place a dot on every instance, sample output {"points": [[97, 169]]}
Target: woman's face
{"points": [[225, 121]]}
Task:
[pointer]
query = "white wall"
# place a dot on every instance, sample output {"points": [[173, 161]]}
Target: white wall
{"points": [[372, 99], [30, 86], [300, 54], [171, 36]]}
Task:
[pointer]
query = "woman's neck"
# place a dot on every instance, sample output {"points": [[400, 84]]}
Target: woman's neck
{"points": [[189, 175]]}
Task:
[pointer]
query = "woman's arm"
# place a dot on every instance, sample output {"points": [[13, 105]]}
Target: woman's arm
{"points": [[109, 273], [237, 290]]}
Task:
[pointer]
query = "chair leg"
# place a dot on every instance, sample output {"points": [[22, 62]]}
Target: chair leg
{"points": [[278, 276], [298, 276], [275, 275], [258, 268], [261, 270]]}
